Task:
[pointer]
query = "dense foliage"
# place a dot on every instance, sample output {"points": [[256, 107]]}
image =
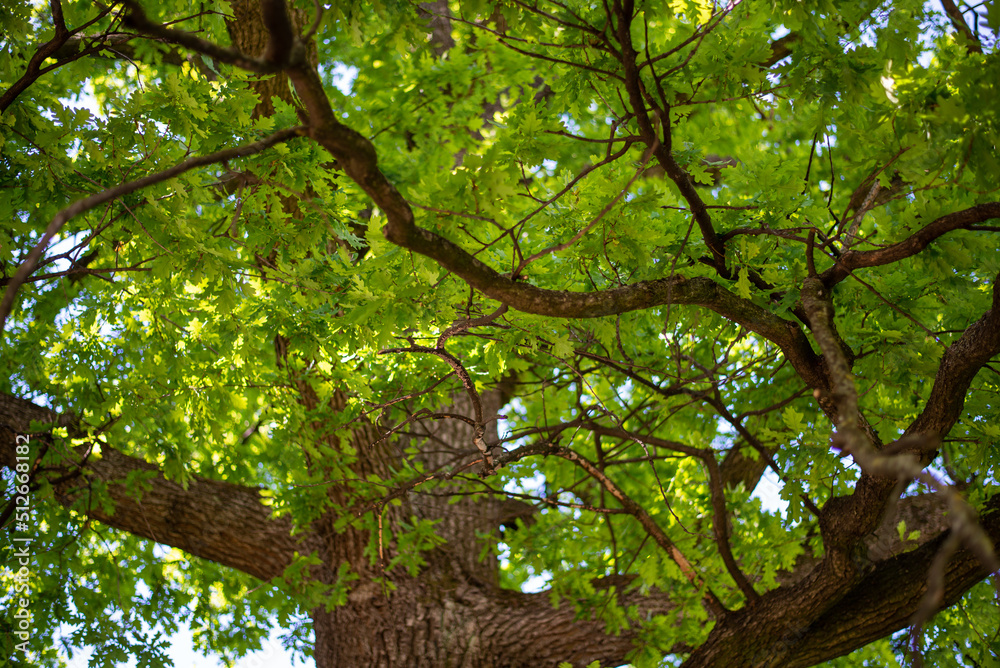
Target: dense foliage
{"points": [[587, 270]]}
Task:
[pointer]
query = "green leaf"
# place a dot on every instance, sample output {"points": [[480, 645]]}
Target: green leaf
{"points": [[743, 283]]}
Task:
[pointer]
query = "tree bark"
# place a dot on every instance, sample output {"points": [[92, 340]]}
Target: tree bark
{"points": [[454, 613]]}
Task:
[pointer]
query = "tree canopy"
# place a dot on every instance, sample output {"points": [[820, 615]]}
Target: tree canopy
{"points": [[351, 320]]}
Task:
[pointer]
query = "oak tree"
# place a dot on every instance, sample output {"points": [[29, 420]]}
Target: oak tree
{"points": [[362, 320]]}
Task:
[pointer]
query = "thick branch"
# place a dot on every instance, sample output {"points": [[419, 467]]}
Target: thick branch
{"points": [[279, 29], [356, 155], [536, 634], [214, 520], [846, 520], [772, 631], [887, 598], [818, 305], [136, 18], [584, 641]]}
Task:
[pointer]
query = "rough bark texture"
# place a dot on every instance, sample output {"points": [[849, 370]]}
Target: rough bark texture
{"points": [[453, 612]]}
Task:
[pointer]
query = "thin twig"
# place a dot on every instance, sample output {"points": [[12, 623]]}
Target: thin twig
{"points": [[88, 203]]}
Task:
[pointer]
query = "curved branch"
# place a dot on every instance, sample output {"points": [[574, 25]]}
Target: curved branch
{"points": [[114, 45], [910, 246], [847, 520], [356, 155], [645, 294], [720, 524]]}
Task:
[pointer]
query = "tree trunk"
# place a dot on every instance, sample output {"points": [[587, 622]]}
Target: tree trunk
{"points": [[452, 613], [451, 610]]}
